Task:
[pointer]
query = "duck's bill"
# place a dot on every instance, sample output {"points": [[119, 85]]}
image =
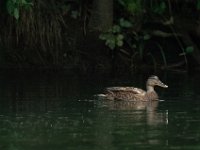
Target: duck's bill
{"points": [[164, 86]]}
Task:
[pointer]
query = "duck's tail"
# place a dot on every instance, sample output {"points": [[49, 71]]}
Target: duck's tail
{"points": [[100, 96]]}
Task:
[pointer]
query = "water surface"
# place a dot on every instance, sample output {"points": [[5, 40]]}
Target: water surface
{"points": [[58, 112]]}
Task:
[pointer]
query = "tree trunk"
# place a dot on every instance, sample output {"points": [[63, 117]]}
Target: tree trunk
{"points": [[102, 15]]}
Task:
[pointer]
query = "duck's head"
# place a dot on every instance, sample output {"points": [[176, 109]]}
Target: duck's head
{"points": [[155, 81]]}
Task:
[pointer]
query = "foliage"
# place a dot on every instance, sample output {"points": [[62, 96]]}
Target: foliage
{"points": [[13, 7], [134, 37], [132, 6], [37, 35], [198, 4], [189, 49], [123, 34], [159, 8], [114, 37]]}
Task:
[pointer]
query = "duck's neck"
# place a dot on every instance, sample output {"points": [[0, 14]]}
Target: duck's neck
{"points": [[150, 88], [151, 94]]}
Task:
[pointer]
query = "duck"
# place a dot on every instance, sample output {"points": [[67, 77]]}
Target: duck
{"points": [[133, 93]]}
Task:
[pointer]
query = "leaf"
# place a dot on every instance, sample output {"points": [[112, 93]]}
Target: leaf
{"points": [[125, 23], [160, 8], [189, 49], [16, 13], [198, 4], [120, 37], [163, 6], [23, 2], [134, 46], [120, 43], [102, 37], [74, 14], [110, 44], [116, 29], [10, 7], [147, 37], [132, 7], [119, 40]]}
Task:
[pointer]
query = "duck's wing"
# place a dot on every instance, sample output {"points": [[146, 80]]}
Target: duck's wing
{"points": [[125, 89]]}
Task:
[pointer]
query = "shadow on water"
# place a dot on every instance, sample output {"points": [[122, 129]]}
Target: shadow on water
{"points": [[48, 111]]}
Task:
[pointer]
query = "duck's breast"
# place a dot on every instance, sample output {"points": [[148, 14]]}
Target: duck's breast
{"points": [[152, 95]]}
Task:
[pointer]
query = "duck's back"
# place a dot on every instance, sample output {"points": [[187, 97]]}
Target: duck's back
{"points": [[125, 93]]}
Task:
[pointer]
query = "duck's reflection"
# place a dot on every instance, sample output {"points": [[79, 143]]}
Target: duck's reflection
{"points": [[129, 105], [147, 109], [141, 120]]}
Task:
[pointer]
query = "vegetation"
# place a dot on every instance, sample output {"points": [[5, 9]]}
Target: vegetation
{"points": [[41, 33], [137, 37], [13, 7]]}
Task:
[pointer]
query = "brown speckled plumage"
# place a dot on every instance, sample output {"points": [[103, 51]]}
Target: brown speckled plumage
{"points": [[134, 94]]}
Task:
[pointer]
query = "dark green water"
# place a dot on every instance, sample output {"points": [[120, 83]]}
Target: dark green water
{"points": [[58, 112]]}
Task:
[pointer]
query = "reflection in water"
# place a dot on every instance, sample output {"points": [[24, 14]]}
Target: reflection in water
{"points": [[138, 120], [57, 112], [128, 105], [147, 109]]}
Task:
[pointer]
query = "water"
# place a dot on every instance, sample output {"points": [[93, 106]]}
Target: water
{"points": [[57, 112]]}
